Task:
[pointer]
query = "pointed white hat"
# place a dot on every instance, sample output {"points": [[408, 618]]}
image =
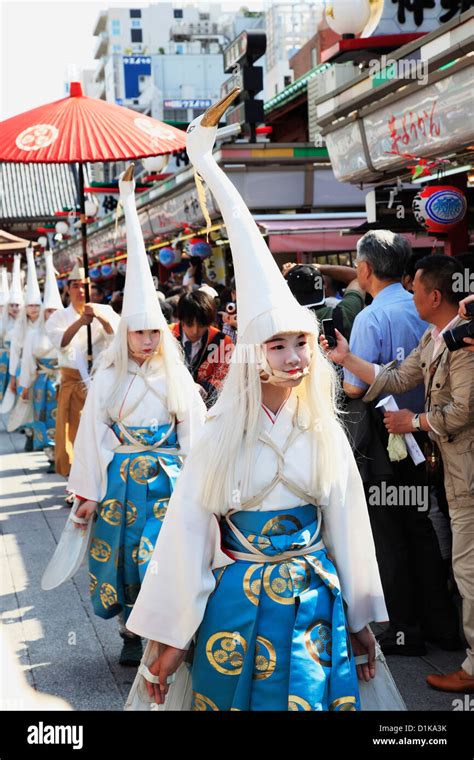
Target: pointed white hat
{"points": [[77, 273], [4, 289], [265, 304], [33, 295], [141, 308], [16, 291], [51, 296]]}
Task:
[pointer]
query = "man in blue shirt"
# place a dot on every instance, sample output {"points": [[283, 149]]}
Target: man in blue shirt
{"points": [[408, 552]]}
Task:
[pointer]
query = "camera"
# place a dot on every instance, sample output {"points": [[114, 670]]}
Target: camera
{"points": [[454, 339]]}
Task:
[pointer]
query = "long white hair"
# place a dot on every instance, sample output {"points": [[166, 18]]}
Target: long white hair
{"points": [[168, 357], [234, 426]]}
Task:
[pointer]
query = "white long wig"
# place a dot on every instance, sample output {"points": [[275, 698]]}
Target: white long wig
{"points": [[234, 426], [168, 359]]}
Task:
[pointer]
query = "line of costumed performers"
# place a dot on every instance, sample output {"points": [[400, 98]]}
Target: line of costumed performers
{"points": [[251, 570]]}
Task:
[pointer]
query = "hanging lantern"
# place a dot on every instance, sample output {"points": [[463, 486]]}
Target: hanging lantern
{"points": [[62, 228], [198, 247], [107, 270], [169, 257], [43, 241], [439, 208], [60, 284], [95, 273], [347, 17], [155, 164], [91, 208]]}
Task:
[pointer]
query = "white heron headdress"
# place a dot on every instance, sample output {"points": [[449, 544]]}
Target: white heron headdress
{"points": [[33, 295], [16, 292], [52, 296], [4, 289], [265, 304], [141, 308]]}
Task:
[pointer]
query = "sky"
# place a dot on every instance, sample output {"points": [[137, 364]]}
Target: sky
{"points": [[39, 41]]}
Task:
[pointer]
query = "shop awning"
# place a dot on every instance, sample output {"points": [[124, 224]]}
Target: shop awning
{"points": [[324, 235], [295, 236]]}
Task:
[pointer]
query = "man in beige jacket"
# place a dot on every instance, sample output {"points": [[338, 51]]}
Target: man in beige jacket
{"points": [[448, 418]]}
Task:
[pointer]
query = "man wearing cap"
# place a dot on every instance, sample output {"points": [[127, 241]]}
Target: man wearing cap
{"points": [[306, 282], [67, 330]]}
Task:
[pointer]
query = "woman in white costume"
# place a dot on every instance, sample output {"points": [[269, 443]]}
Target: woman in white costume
{"points": [[141, 415], [8, 314], [266, 550], [26, 323], [39, 376]]}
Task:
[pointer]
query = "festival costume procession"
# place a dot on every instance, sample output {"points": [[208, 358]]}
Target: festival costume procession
{"points": [[73, 365], [139, 420], [39, 375], [249, 565], [7, 323], [19, 408]]}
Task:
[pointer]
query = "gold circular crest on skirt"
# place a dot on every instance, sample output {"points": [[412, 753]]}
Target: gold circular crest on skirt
{"points": [[318, 640], [112, 511], [265, 659], [202, 703], [108, 595], [144, 468], [131, 513], [159, 508], [226, 652], [143, 552], [101, 550], [298, 704]]}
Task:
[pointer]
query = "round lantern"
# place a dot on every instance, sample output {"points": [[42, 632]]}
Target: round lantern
{"points": [[155, 164], [43, 241], [347, 17], [60, 284], [95, 273], [169, 257], [62, 228], [199, 247], [439, 208], [107, 270], [91, 208]]}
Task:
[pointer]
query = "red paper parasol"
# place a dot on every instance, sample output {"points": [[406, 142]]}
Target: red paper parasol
{"points": [[79, 129]]}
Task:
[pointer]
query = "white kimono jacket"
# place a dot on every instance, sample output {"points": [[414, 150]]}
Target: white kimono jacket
{"points": [[95, 441], [18, 346], [37, 347], [172, 600]]}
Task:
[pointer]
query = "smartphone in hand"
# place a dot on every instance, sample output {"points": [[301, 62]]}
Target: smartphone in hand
{"points": [[329, 332]]}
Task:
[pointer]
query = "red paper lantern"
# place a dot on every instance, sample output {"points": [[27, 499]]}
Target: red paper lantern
{"points": [[439, 208]]}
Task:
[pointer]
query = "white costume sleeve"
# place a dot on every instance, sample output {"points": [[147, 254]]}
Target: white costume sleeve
{"points": [[15, 349], [28, 362], [93, 447], [191, 424], [348, 537], [55, 328], [179, 578]]}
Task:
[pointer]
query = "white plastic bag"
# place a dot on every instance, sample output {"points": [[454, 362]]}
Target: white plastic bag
{"points": [[70, 552], [380, 693], [179, 695]]}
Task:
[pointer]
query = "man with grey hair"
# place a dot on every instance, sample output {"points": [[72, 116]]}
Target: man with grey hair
{"points": [[408, 552]]}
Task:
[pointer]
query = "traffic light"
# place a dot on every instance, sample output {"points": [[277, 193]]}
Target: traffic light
{"points": [[239, 58]]}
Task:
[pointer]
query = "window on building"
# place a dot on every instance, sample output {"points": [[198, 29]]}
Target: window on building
{"points": [[175, 114], [204, 17], [137, 35], [287, 80], [135, 13], [116, 27], [117, 49], [136, 23], [178, 13]]}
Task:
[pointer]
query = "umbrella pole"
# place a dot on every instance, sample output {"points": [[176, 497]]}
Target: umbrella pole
{"points": [[85, 260]]}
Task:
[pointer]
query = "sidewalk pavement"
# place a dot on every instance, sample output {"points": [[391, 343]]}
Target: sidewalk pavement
{"points": [[64, 648]]}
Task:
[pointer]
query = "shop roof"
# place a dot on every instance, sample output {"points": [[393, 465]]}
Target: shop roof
{"points": [[296, 88]]}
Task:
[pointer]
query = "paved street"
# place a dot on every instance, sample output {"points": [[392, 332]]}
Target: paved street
{"points": [[66, 650]]}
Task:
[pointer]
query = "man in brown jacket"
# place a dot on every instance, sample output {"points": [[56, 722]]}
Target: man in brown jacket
{"points": [[448, 418]]}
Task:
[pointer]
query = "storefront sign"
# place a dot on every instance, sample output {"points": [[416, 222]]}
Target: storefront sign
{"points": [[407, 16]]}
